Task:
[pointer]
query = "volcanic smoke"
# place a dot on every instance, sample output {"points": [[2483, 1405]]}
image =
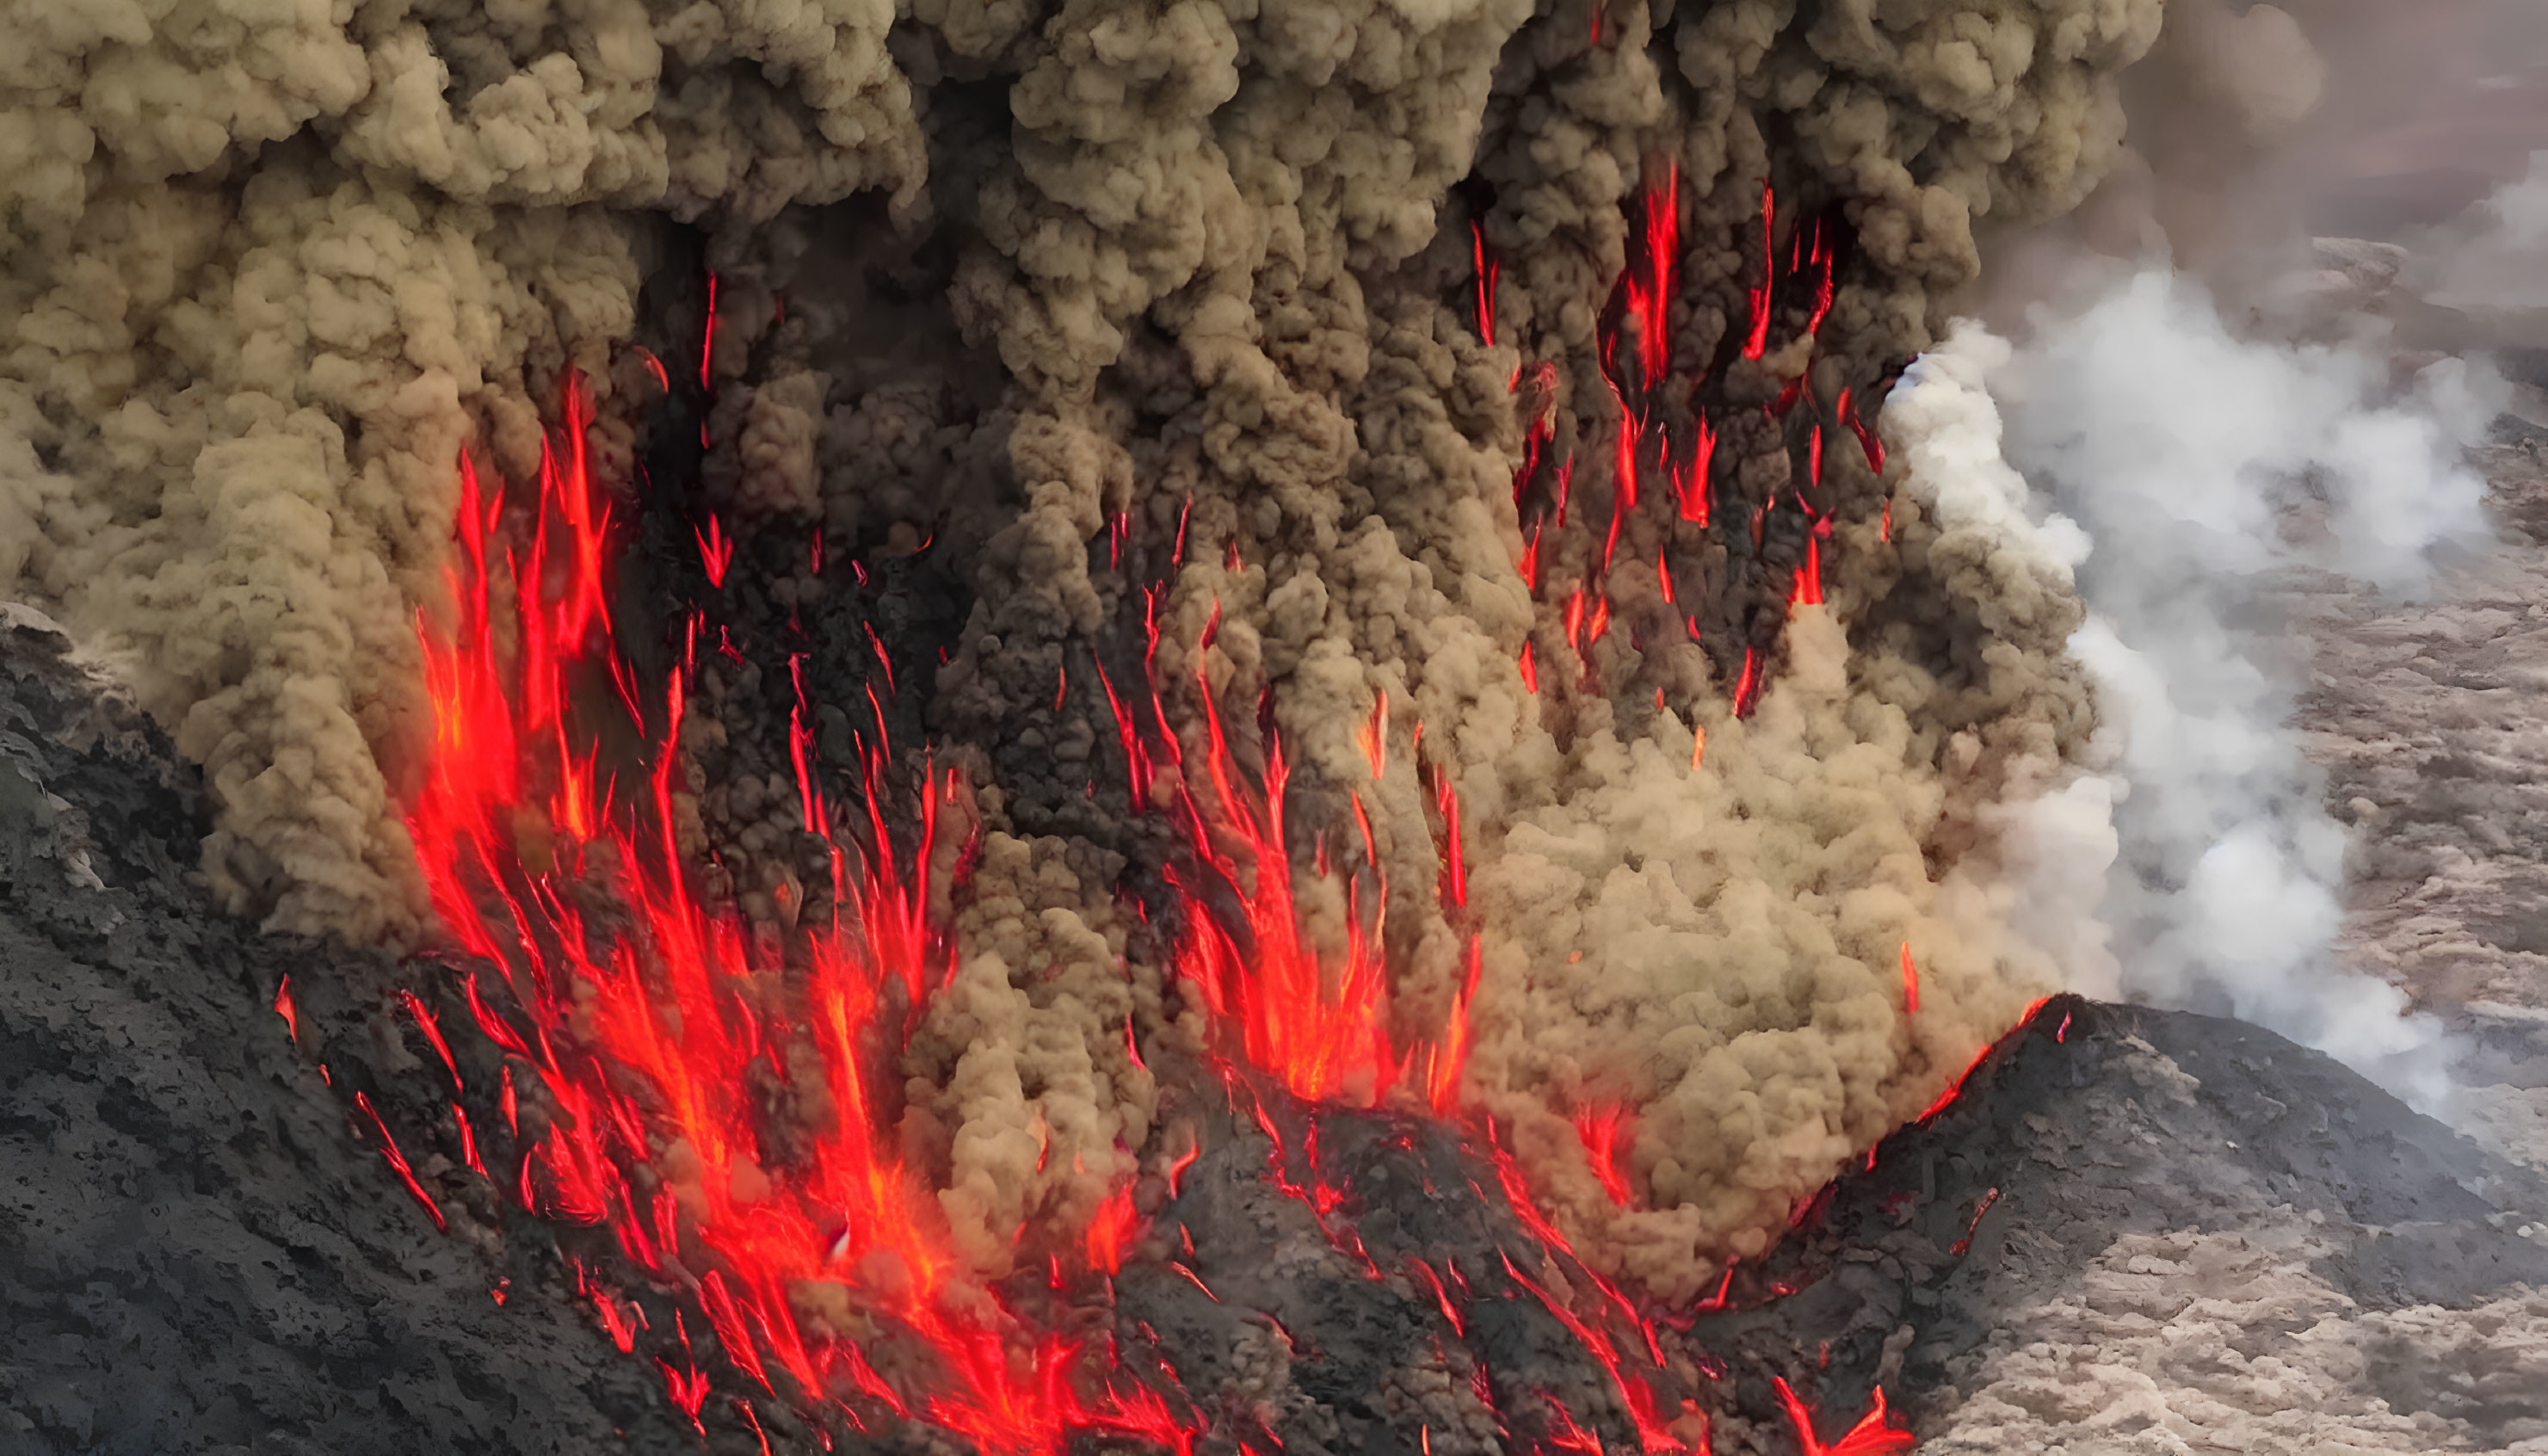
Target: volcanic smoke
{"points": [[924, 615]]}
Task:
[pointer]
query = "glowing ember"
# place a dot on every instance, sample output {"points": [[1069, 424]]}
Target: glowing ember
{"points": [[707, 336], [1820, 260], [1868, 441], [398, 1161], [642, 1042], [1809, 577], [1759, 341], [1693, 480], [1600, 1130], [1981, 1205], [1875, 1435], [1747, 687], [717, 551], [1623, 496], [1374, 736], [1650, 298], [1112, 1231], [1956, 1088]]}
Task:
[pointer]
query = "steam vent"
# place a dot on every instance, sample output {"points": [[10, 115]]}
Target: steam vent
{"points": [[1289, 727]]}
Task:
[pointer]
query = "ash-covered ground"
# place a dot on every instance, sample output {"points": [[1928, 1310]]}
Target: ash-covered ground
{"points": [[2431, 720], [2145, 1231], [2134, 1231]]}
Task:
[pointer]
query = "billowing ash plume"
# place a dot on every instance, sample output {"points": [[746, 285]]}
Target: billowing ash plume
{"points": [[1276, 353], [2211, 472], [266, 270]]}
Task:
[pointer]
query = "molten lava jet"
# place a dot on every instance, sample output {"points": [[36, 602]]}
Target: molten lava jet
{"points": [[646, 1032], [723, 1103], [644, 1027]]}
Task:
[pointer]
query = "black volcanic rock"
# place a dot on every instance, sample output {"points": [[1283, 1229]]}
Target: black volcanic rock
{"points": [[196, 1254]]}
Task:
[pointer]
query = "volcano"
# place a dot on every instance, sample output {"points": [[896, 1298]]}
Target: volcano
{"points": [[206, 1220], [1153, 725]]}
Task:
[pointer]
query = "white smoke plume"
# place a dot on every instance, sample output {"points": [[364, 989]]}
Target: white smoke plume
{"points": [[2204, 470]]}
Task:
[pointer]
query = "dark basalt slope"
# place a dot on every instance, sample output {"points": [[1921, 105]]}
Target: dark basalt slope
{"points": [[196, 1253]]}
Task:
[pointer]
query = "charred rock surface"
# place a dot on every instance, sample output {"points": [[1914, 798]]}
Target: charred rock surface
{"points": [[2090, 1125], [1356, 1286], [196, 1253]]}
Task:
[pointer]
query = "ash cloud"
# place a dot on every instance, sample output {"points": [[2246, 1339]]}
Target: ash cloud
{"points": [[263, 271], [1140, 273], [1256, 329]]}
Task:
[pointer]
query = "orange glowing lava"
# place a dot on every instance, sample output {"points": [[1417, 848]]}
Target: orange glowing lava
{"points": [[1318, 1024], [642, 1043], [1602, 1129], [1875, 1435]]}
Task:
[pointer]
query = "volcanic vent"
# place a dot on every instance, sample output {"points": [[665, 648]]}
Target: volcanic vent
{"points": [[932, 628]]}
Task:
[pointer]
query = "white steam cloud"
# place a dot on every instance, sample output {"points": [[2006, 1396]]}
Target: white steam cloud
{"points": [[2205, 469]]}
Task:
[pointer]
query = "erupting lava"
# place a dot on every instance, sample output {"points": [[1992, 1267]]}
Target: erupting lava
{"points": [[1322, 1033], [645, 1030], [1677, 444], [645, 1037]]}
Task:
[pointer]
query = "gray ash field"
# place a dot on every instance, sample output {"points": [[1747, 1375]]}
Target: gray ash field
{"points": [[2132, 1229]]}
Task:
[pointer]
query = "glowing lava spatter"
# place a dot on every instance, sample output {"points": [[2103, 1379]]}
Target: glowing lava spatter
{"points": [[1875, 1435], [1757, 342], [1322, 1037], [1694, 476], [1320, 1030], [1600, 1129], [1809, 577], [1677, 435], [643, 1041], [1651, 298]]}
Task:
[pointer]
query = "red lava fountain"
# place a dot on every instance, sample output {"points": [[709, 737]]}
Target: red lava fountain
{"points": [[644, 1027], [645, 1037]]}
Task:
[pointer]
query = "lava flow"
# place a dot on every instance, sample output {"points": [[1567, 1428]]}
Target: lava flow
{"points": [[647, 1032], [640, 1036]]}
